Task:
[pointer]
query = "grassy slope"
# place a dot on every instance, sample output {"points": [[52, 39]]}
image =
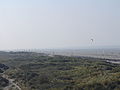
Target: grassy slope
{"points": [[62, 73]]}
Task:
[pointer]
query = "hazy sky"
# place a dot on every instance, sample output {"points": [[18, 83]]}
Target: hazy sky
{"points": [[59, 23]]}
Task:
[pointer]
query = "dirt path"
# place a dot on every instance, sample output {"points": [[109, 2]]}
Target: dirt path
{"points": [[115, 62], [12, 85]]}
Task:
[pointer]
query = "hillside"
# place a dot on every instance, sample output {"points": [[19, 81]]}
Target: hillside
{"points": [[35, 71]]}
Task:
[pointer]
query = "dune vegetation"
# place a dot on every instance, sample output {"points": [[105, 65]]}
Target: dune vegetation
{"points": [[34, 71]]}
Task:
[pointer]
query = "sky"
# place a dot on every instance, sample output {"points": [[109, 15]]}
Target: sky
{"points": [[41, 24]]}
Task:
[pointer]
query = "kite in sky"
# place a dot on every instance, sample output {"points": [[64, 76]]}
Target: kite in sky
{"points": [[92, 40]]}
